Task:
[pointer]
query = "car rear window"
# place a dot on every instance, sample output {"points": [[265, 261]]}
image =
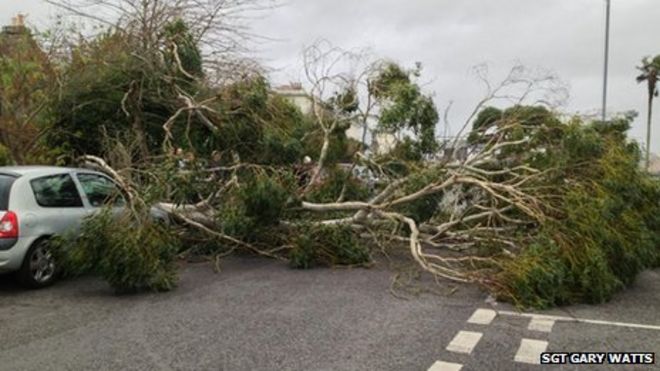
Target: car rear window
{"points": [[6, 182]]}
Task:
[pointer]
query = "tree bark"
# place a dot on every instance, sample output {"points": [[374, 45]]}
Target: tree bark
{"points": [[648, 131]]}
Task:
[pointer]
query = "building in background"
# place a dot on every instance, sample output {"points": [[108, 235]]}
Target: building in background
{"points": [[15, 36], [654, 165], [378, 143], [296, 95]]}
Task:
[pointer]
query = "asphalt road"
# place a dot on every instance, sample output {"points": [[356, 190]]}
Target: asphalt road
{"points": [[258, 314]]}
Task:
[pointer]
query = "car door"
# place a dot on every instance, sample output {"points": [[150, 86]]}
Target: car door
{"points": [[61, 209], [100, 191]]}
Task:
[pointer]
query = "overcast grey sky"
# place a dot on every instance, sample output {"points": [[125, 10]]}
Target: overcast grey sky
{"points": [[449, 37]]}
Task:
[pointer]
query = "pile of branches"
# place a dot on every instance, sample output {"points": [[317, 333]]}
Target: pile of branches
{"points": [[540, 211], [534, 213]]}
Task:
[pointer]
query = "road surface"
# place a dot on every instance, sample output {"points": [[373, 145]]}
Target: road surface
{"points": [[258, 314]]}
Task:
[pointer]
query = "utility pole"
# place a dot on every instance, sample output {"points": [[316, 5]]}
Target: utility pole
{"points": [[607, 55]]}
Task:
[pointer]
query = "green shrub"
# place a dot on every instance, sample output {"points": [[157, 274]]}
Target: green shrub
{"points": [[424, 208], [333, 184], [538, 278], [235, 222], [249, 211], [5, 158], [319, 245], [264, 199], [607, 230], [407, 150], [130, 253]]}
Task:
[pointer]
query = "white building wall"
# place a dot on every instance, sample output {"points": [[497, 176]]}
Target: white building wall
{"points": [[380, 143]]}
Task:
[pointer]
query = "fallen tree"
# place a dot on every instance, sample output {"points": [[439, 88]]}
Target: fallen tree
{"points": [[538, 210]]}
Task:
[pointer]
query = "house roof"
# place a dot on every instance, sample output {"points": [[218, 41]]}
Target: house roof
{"points": [[291, 90]]}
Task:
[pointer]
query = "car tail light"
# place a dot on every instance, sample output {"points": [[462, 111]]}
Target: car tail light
{"points": [[9, 225]]}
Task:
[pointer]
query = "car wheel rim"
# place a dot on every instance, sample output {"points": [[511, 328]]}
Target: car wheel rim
{"points": [[42, 264]]}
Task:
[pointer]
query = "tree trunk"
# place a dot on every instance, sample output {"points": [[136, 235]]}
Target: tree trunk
{"points": [[322, 157], [648, 132], [139, 130]]}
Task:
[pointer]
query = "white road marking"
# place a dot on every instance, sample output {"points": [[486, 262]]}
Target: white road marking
{"points": [[580, 320], [541, 324], [446, 366], [464, 342], [482, 316], [530, 351]]}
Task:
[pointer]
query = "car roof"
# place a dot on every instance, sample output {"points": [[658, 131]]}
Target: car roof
{"points": [[37, 170]]}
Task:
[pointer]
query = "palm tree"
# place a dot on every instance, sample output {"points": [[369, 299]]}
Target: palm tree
{"points": [[650, 69]]}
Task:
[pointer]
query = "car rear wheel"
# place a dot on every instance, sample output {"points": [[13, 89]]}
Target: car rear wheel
{"points": [[38, 269]]}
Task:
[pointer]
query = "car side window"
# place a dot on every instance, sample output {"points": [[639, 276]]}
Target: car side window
{"points": [[100, 191], [56, 191]]}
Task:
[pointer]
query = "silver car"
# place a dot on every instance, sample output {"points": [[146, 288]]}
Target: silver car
{"points": [[38, 202]]}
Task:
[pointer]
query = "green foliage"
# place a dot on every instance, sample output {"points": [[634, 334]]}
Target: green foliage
{"points": [[405, 107], [278, 149], [236, 223], [189, 54], [423, 208], [115, 88], [254, 207], [604, 226], [487, 117], [242, 130], [337, 152], [345, 102], [5, 158], [264, 200], [260, 127], [287, 135], [130, 254], [536, 124], [111, 90], [103, 74], [27, 87], [608, 229], [407, 150], [650, 73], [319, 245], [334, 183], [539, 278]]}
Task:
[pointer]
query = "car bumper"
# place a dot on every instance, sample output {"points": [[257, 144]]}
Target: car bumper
{"points": [[7, 243], [11, 260]]}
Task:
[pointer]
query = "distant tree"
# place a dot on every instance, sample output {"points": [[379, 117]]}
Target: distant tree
{"points": [[650, 69], [534, 127], [213, 32], [404, 106], [27, 84], [110, 91], [150, 77]]}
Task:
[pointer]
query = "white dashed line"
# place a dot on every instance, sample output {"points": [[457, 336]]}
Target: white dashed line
{"points": [[580, 320], [464, 342], [482, 317], [530, 351], [541, 324], [446, 366]]}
